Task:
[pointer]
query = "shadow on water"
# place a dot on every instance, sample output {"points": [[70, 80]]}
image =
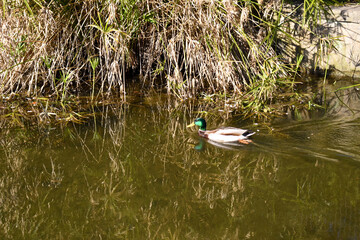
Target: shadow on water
{"points": [[136, 172]]}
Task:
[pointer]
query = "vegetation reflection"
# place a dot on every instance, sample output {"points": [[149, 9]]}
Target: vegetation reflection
{"points": [[134, 173]]}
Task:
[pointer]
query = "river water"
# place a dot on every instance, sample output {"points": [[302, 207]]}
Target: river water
{"points": [[135, 172]]}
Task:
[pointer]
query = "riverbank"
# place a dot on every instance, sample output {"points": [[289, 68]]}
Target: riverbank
{"points": [[225, 53]]}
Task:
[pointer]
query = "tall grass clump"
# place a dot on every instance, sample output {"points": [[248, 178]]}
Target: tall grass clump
{"points": [[214, 46], [226, 48], [42, 40]]}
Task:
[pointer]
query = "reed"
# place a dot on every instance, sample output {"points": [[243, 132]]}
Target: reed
{"points": [[190, 47]]}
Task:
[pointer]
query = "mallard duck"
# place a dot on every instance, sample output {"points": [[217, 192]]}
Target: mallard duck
{"points": [[222, 135]]}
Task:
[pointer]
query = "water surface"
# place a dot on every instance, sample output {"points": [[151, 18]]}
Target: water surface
{"points": [[136, 172]]}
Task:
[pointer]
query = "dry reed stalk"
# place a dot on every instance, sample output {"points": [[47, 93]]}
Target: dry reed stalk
{"points": [[193, 47], [207, 45], [54, 41]]}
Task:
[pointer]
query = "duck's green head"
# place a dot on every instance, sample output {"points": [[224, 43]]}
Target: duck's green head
{"points": [[199, 122]]}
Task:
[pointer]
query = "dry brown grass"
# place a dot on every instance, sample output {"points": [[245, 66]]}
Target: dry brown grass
{"points": [[210, 46], [190, 47], [49, 52]]}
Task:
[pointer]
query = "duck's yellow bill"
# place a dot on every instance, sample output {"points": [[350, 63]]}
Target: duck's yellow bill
{"points": [[190, 125]]}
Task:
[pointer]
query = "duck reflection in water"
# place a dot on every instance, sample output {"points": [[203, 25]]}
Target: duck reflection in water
{"points": [[201, 146]]}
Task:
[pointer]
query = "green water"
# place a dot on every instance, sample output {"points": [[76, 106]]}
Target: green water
{"points": [[136, 172]]}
